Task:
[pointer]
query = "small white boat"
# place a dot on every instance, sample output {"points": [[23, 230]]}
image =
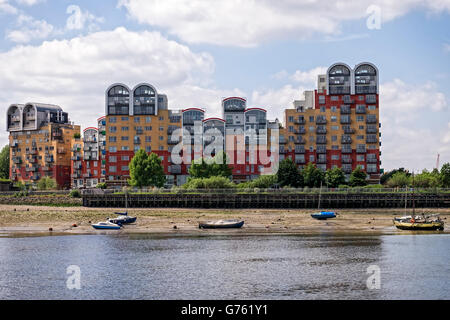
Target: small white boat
{"points": [[106, 225], [221, 224]]}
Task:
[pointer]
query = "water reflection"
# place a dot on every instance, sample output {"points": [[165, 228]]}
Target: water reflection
{"points": [[325, 266]]}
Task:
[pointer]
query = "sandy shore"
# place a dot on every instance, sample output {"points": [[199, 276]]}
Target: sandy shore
{"points": [[17, 220]]}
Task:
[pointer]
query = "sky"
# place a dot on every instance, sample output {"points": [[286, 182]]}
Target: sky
{"points": [[198, 51]]}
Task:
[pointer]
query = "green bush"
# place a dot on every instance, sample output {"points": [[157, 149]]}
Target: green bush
{"points": [[75, 193], [399, 179], [46, 183], [209, 183], [373, 186], [101, 185], [343, 186], [262, 182]]}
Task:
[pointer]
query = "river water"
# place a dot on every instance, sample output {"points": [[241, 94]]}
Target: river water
{"points": [[138, 266]]}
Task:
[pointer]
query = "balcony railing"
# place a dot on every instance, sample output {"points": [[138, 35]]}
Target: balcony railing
{"points": [[345, 109], [300, 131], [349, 130], [321, 139], [300, 121], [372, 160], [361, 109], [371, 129], [321, 149], [347, 99], [299, 140], [360, 150], [345, 120], [346, 150], [300, 149], [370, 119], [321, 120], [321, 130], [347, 160]]}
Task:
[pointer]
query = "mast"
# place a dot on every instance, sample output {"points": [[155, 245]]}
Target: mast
{"points": [[320, 193], [414, 204]]}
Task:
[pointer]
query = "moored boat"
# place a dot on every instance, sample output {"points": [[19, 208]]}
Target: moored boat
{"points": [[123, 220], [105, 225], [323, 215], [419, 225], [221, 224]]}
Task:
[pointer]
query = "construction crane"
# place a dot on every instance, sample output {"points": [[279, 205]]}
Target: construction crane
{"points": [[437, 162]]}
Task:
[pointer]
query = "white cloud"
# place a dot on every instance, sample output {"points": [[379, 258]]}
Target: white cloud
{"points": [[5, 7], [248, 23], [410, 117], [80, 19], [30, 29], [309, 76], [29, 2], [75, 73], [447, 47]]}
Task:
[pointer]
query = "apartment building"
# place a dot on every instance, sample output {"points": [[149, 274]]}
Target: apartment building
{"points": [[337, 125], [40, 139]]}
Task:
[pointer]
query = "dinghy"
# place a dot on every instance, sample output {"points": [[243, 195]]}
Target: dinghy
{"points": [[323, 215], [221, 224], [123, 220]]}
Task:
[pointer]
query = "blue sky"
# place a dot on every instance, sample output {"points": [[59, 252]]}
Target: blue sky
{"points": [[199, 51]]}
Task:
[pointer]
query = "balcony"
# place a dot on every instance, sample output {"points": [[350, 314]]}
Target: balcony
{"points": [[371, 119], [139, 131], [321, 140], [175, 169], [300, 121], [361, 149], [371, 139], [347, 160], [346, 149], [300, 149], [348, 100], [346, 120], [321, 149], [371, 98], [361, 109], [300, 130], [299, 140], [348, 130], [371, 129], [321, 120], [321, 130], [345, 109], [371, 159], [346, 139]]}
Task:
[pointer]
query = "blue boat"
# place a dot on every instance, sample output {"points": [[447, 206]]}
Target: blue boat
{"points": [[323, 215]]}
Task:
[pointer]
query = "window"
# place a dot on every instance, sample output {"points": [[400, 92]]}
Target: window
{"points": [[112, 129], [124, 118], [148, 119], [334, 157], [137, 119], [291, 119], [361, 127], [334, 147], [161, 138], [112, 139], [161, 118], [312, 128], [125, 168], [161, 128], [311, 118], [125, 148], [148, 139], [333, 138], [112, 120], [161, 148], [311, 158], [333, 109], [112, 169], [125, 158], [112, 149], [321, 99], [148, 149], [291, 129], [334, 98], [333, 119], [148, 128], [334, 127], [360, 118], [371, 107], [124, 138], [360, 137], [322, 109]]}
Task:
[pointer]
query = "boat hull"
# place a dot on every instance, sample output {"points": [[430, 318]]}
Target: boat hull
{"points": [[106, 227], [419, 225], [323, 215], [123, 220], [206, 225]]}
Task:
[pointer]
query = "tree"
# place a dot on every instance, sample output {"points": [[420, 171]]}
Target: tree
{"points": [[334, 177], [46, 183], [427, 179], [146, 170], [313, 176], [288, 174], [399, 179], [358, 177], [386, 176], [445, 175], [4, 162], [215, 167]]}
